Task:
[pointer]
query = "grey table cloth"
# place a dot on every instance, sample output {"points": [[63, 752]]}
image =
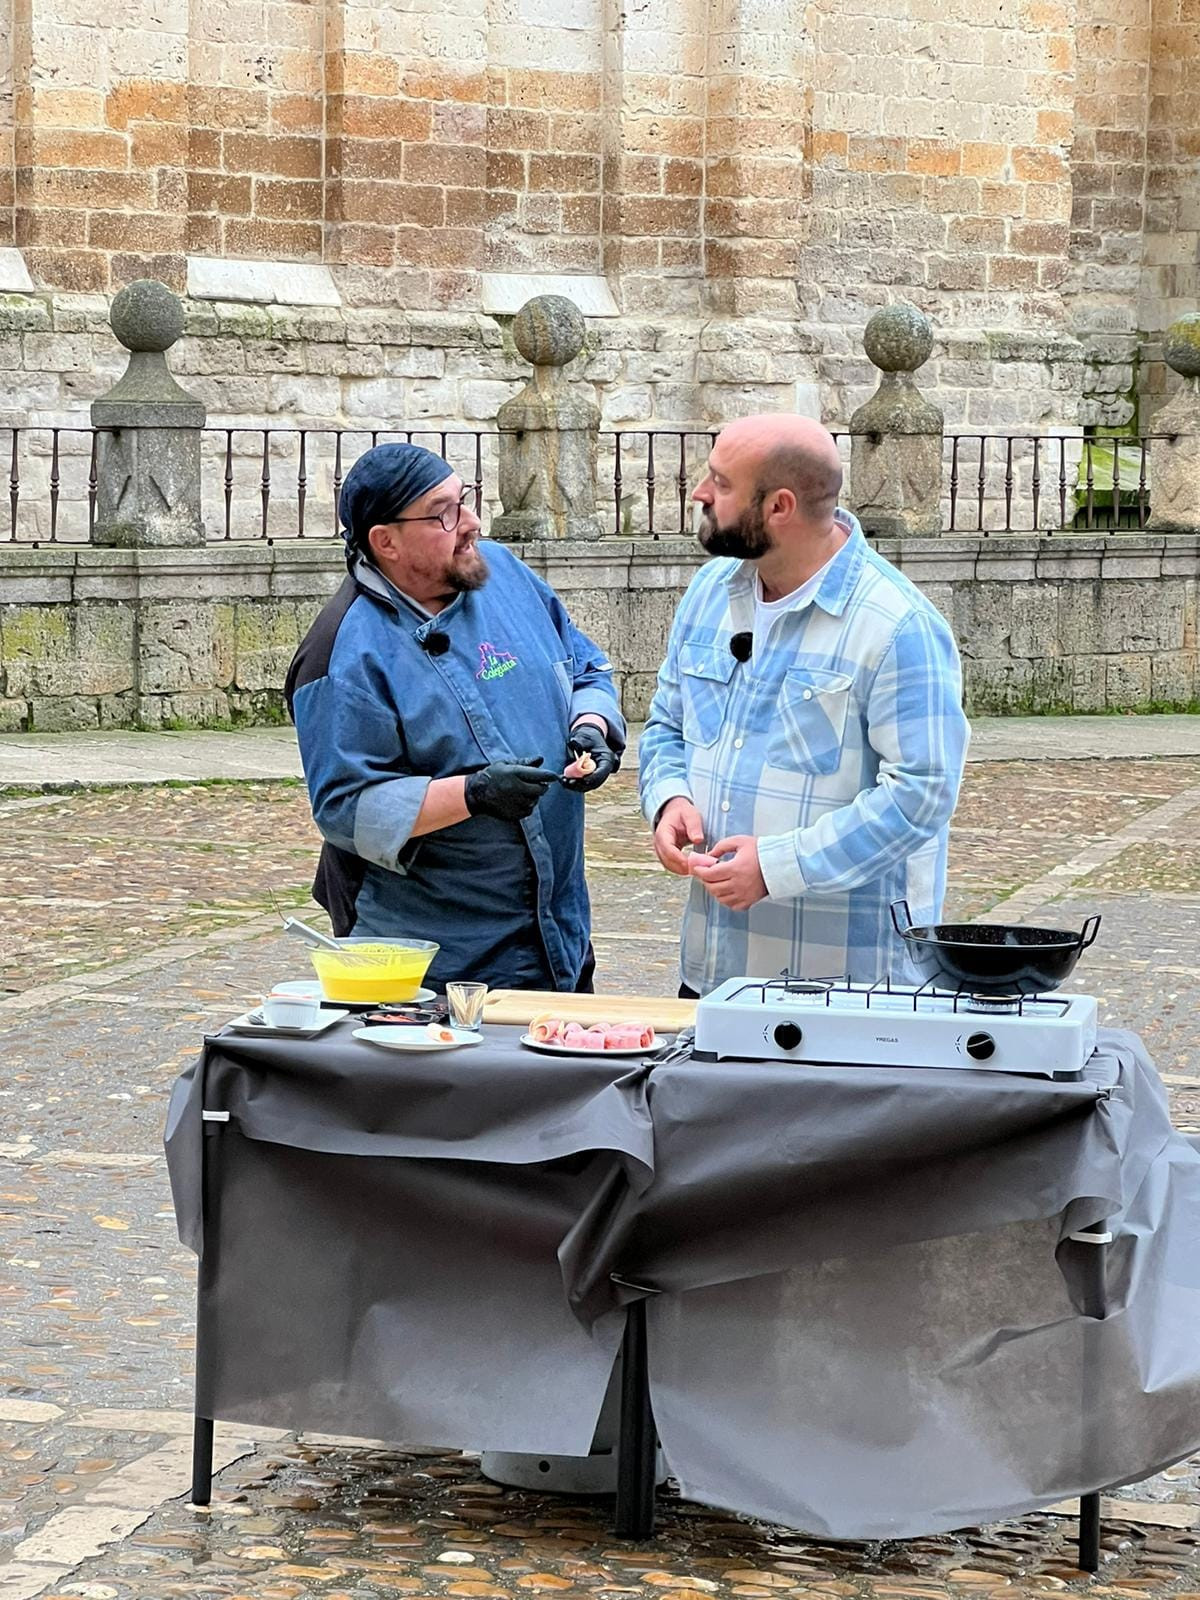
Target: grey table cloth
{"points": [[867, 1312]]}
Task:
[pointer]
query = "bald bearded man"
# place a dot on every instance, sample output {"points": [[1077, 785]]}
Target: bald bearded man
{"points": [[805, 744]]}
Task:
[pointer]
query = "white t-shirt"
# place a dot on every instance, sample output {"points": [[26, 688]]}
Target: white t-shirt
{"points": [[766, 611]]}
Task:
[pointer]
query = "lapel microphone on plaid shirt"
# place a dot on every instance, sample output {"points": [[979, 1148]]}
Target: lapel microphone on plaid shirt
{"points": [[741, 646]]}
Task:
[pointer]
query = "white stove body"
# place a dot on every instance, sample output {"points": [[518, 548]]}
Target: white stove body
{"points": [[1050, 1036]]}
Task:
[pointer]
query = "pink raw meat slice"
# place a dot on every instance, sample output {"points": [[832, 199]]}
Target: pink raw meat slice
{"points": [[547, 1030], [630, 1036], [623, 1036]]}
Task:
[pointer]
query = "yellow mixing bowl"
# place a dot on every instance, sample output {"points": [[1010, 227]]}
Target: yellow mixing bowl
{"points": [[374, 970]]}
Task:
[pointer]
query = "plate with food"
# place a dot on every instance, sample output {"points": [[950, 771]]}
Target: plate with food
{"points": [[559, 1037], [431, 1037]]}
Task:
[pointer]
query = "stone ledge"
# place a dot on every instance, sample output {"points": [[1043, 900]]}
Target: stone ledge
{"points": [[1070, 565], [504, 293], [26, 561], [261, 282], [14, 274]]}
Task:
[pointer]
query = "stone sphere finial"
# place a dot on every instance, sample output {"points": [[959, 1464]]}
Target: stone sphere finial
{"points": [[898, 338], [549, 330], [1181, 346], [146, 315]]}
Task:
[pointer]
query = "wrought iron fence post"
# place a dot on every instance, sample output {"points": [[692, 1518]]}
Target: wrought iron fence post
{"points": [[896, 437], [548, 433], [1175, 444], [148, 455]]}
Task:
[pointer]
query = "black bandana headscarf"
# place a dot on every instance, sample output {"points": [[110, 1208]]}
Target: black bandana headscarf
{"points": [[381, 485]]}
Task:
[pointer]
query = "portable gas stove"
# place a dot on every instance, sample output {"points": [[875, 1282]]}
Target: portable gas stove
{"points": [[837, 1022]]}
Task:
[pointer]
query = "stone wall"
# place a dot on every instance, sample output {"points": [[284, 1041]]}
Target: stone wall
{"points": [[1024, 167], [1108, 181], [308, 366], [954, 190], [101, 638], [1171, 276], [327, 367]]}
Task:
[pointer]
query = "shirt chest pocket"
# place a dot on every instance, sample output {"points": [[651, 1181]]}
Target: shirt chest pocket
{"points": [[704, 674], [809, 727]]}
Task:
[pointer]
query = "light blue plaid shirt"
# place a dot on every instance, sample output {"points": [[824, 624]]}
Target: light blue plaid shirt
{"points": [[840, 747]]}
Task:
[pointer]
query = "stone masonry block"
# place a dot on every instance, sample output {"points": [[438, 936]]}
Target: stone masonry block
{"points": [[995, 686], [14, 716], [1138, 618], [65, 714], [32, 637], [479, 401], [637, 691], [1128, 681], [1052, 687], [176, 647], [1035, 630], [265, 637], [983, 620], [1173, 679], [117, 710], [1088, 690]]}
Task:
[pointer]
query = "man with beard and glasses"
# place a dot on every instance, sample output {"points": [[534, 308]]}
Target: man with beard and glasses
{"points": [[438, 699], [806, 738]]}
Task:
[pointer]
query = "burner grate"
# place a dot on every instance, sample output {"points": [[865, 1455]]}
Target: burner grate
{"points": [[925, 996]]}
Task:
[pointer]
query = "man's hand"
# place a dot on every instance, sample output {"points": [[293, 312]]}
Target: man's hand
{"points": [[678, 824], [507, 789], [736, 883], [587, 739]]}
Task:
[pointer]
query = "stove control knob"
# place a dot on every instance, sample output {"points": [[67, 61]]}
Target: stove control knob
{"points": [[788, 1035], [981, 1046]]}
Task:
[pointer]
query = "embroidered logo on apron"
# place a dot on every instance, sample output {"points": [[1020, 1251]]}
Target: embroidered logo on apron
{"points": [[494, 663]]}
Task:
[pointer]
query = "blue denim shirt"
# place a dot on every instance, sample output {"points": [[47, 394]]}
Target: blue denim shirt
{"points": [[378, 716]]}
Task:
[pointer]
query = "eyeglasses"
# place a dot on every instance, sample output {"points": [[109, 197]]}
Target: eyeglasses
{"points": [[452, 516]]}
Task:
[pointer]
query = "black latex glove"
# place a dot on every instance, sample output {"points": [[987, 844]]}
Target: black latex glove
{"points": [[508, 789], [587, 736]]}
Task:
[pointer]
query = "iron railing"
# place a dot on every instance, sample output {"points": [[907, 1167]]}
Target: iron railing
{"points": [[276, 483], [322, 456]]}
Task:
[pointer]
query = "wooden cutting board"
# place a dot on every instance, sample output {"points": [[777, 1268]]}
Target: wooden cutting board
{"points": [[520, 1006]]}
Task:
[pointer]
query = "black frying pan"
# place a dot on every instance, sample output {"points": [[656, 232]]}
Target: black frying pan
{"points": [[993, 958]]}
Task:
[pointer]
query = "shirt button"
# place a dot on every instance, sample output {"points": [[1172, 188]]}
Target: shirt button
{"points": [[724, 805], [738, 743], [808, 694]]}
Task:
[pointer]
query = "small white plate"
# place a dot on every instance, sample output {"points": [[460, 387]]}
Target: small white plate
{"points": [[416, 1039], [246, 1024], [570, 1050]]}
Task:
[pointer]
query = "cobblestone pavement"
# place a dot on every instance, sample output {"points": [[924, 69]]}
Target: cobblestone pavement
{"points": [[138, 918]]}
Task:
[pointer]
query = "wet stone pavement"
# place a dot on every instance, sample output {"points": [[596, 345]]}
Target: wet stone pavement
{"points": [[138, 919]]}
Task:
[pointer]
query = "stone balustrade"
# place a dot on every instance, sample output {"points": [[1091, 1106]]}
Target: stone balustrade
{"points": [[149, 626]]}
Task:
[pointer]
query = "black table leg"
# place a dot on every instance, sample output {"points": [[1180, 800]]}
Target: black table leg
{"points": [[202, 1459], [637, 1447], [1089, 1532], [1095, 1241], [202, 1426]]}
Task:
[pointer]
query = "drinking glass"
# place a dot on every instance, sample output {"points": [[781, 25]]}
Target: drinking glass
{"points": [[466, 1004]]}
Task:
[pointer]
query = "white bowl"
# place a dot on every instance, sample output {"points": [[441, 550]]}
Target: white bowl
{"points": [[291, 1010]]}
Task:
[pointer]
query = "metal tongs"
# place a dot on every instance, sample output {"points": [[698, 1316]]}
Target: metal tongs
{"points": [[679, 1049]]}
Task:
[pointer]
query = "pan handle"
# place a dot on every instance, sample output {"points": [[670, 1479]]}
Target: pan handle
{"points": [[908, 921], [1087, 934]]}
